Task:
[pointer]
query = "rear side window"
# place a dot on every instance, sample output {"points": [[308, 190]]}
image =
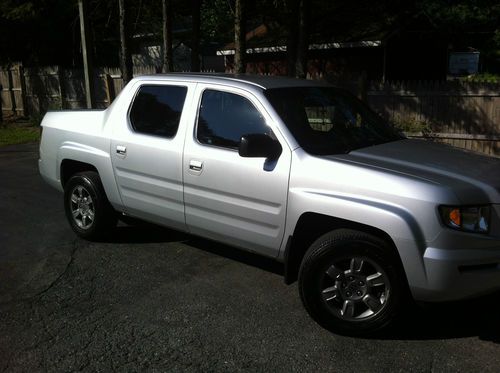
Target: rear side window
{"points": [[157, 110], [225, 117]]}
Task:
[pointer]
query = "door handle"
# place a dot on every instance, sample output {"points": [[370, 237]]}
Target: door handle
{"points": [[195, 165], [120, 149]]}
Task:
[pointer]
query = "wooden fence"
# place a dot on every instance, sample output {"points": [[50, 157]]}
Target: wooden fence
{"points": [[32, 91], [462, 114], [466, 115], [12, 91]]}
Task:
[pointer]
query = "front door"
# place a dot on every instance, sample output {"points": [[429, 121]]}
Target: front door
{"points": [[240, 201]]}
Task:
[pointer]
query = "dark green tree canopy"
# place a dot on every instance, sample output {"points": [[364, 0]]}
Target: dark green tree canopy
{"points": [[47, 31]]}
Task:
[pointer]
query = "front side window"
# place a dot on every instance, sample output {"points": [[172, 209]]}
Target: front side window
{"points": [[157, 110], [225, 117]]}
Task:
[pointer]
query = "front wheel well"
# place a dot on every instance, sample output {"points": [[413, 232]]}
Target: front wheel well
{"points": [[70, 167], [310, 227]]}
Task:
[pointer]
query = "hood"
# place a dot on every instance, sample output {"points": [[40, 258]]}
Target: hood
{"points": [[473, 177]]}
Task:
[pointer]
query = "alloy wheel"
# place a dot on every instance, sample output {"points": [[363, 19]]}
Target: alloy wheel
{"points": [[355, 288], [82, 207]]}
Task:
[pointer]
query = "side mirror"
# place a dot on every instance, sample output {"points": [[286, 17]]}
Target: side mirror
{"points": [[259, 145]]}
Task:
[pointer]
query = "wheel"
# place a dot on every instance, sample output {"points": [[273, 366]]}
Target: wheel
{"points": [[89, 212], [351, 282]]}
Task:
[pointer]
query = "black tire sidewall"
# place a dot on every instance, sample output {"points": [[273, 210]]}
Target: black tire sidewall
{"points": [[335, 246]]}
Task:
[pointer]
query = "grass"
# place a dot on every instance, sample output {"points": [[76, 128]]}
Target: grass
{"points": [[10, 135]]}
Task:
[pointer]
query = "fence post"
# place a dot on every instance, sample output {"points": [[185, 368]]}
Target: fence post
{"points": [[62, 93], [1, 101], [110, 88], [362, 86], [11, 90], [22, 82]]}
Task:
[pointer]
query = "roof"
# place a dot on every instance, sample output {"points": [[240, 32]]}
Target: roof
{"points": [[261, 81], [269, 39], [352, 28], [229, 50]]}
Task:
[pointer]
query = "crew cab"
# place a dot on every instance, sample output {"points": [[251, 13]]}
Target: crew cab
{"points": [[296, 170]]}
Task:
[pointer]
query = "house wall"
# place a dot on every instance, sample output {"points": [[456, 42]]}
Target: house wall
{"points": [[346, 63]]}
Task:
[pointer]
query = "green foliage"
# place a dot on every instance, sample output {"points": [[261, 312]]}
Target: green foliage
{"points": [[47, 31], [462, 15], [33, 31], [483, 78], [11, 135], [216, 20], [15, 10], [412, 125], [468, 23]]}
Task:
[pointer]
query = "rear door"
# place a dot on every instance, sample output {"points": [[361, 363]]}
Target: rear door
{"points": [[147, 152], [241, 201]]}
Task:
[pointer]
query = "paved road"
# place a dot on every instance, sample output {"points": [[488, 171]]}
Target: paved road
{"points": [[155, 300]]}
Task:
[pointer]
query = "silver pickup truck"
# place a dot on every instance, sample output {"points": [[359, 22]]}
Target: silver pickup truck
{"points": [[295, 170]]}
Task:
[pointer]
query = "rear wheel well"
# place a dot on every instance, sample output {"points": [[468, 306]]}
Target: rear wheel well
{"points": [[310, 227], [70, 167]]}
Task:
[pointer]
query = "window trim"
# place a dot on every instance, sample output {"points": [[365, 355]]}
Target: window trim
{"points": [[198, 107], [136, 93]]}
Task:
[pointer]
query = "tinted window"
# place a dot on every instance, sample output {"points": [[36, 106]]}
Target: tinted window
{"points": [[225, 117], [329, 120], [157, 110]]}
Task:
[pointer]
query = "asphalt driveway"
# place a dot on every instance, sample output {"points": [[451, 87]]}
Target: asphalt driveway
{"points": [[152, 299]]}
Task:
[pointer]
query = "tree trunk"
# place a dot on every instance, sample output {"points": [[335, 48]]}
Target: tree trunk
{"points": [[168, 62], [195, 36], [125, 55], [86, 54], [303, 39], [292, 40], [239, 37]]}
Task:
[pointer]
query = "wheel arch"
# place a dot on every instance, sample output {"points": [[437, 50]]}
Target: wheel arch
{"points": [[310, 226], [75, 157], [70, 167]]}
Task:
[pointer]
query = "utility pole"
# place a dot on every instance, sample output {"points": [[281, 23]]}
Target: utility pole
{"points": [[125, 56], [87, 54]]}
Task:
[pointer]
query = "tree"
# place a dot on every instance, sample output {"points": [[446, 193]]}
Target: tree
{"points": [[125, 55], [291, 11], [298, 12], [33, 33], [168, 63], [303, 39], [195, 35], [217, 21], [239, 37], [86, 54], [468, 23]]}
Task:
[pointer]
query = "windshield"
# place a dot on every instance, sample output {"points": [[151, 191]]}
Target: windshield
{"points": [[327, 120]]}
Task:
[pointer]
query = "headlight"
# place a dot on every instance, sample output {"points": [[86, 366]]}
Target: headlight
{"points": [[468, 219]]}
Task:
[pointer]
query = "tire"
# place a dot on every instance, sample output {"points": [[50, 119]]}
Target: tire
{"points": [[87, 208], [352, 283]]}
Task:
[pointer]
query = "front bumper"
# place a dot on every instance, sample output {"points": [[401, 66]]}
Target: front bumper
{"points": [[460, 265], [459, 274]]}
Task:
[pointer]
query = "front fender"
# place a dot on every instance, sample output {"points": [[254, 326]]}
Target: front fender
{"points": [[399, 223]]}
